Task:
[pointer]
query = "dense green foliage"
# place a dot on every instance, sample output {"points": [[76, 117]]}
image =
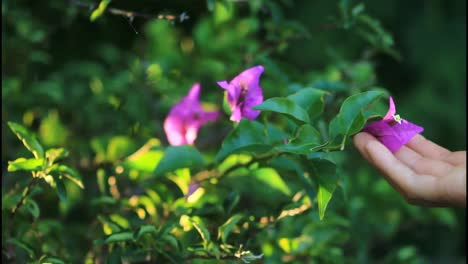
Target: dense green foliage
{"points": [[88, 175]]}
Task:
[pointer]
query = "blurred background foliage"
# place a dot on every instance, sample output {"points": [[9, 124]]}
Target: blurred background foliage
{"points": [[102, 89]]}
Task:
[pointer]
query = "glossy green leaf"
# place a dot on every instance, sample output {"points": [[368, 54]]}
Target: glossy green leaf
{"points": [[310, 99], [25, 164], [69, 173], [325, 173], [350, 119], [29, 140], [285, 106], [226, 228], [249, 136], [307, 140], [177, 157]]}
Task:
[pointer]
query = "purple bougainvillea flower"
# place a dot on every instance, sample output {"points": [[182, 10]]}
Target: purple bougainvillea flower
{"points": [[392, 130], [186, 118], [243, 93]]}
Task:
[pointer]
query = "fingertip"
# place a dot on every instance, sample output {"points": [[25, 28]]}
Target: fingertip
{"points": [[360, 141]]}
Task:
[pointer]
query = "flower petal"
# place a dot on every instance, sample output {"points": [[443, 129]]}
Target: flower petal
{"points": [[393, 135], [186, 117], [223, 84], [175, 131], [249, 77], [391, 110], [194, 93], [236, 114], [406, 131]]}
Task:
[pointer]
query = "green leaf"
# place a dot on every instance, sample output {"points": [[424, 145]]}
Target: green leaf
{"points": [[284, 106], [100, 10], [118, 237], [325, 172], [226, 228], [61, 190], [22, 245], [52, 260], [29, 140], [210, 4], [55, 154], [26, 164], [231, 201], [202, 230], [177, 157], [145, 162], [69, 173], [248, 136], [307, 140], [32, 207], [350, 119], [310, 99], [272, 179], [145, 229]]}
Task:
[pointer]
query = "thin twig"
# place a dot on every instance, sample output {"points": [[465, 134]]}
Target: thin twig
{"points": [[131, 14]]}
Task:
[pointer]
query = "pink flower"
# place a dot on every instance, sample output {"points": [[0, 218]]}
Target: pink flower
{"points": [[243, 93], [186, 118], [393, 131]]}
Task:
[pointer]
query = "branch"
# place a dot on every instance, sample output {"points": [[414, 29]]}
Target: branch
{"points": [[132, 14], [26, 192], [191, 257]]}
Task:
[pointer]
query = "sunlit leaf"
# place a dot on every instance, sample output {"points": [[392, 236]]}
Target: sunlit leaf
{"points": [[29, 140], [202, 230], [272, 179], [325, 172], [55, 154], [26, 164], [100, 10], [68, 172]]}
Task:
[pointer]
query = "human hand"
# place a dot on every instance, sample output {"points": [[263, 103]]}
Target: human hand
{"points": [[423, 172]]}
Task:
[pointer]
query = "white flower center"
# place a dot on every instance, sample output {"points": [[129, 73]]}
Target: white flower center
{"points": [[397, 119]]}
